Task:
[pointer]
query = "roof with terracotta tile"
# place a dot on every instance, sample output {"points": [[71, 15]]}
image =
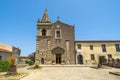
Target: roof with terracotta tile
{"points": [[4, 50]]}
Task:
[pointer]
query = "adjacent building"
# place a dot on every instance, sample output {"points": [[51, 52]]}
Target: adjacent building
{"points": [[23, 59], [4, 54], [55, 44], [8, 50], [96, 51]]}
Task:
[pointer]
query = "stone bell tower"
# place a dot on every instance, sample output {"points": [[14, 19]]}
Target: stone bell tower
{"points": [[43, 39]]}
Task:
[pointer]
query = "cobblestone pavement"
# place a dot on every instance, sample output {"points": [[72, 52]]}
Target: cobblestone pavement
{"points": [[70, 73]]}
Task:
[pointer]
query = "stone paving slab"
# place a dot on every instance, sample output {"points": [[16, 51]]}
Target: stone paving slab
{"points": [[70, 73]]}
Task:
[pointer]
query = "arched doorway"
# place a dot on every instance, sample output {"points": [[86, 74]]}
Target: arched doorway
{"points": [[80, 59], [58, 52], [42, 60]]}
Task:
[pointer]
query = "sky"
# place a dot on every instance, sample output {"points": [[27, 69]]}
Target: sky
{"points": [[93, 20]]}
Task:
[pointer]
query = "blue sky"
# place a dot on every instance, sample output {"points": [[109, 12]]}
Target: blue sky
{"points": [[93, 20]]}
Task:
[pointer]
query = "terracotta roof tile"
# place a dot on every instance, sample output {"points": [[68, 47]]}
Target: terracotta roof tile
{"points": [[4, 50]]}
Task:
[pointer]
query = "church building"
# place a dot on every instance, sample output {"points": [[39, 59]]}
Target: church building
{"points": [[55, 44]]}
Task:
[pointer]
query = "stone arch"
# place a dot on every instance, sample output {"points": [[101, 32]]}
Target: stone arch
{"points": [[58, 50]]}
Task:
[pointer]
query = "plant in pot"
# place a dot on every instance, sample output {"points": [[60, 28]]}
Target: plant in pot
{"points": [[12, 69]]}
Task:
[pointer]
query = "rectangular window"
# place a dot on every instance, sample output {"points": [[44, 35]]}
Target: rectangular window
{"points": [[92, 57], [109, 56], [78, 46], [117, 46], [103, 48], [91, 47], [0, 58], [58, 34]]}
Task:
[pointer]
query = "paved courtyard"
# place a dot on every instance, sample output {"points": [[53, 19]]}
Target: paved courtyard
{"points": [[70, 73]]}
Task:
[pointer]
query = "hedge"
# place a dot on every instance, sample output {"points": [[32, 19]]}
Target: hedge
{"points": [[4, 66]]}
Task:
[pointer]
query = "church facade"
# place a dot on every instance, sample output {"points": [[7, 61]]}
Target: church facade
{"points": [[55, 44]]}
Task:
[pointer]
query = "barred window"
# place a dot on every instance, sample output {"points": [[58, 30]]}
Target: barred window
{"points": [[91, 47], [78, 46], [117, 46], [103, 48], [58, 34], [109, 56], [92, 57]]}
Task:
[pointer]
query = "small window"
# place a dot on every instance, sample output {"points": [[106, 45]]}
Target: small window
{"points": [[92, 57], [43, 32], [117, 46], [0, 58], [91, 47], [78, 46], [103, 48], [109, 56], [58, 34]]}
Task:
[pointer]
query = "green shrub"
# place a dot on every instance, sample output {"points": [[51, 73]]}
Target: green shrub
{"points": [[4, 66], [26, 62], [30, 62]]}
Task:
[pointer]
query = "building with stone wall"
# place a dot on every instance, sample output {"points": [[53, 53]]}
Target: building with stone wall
{"points": [[23, 59], [55, 44], [92, 52], [8, 50], [4, 54]]}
